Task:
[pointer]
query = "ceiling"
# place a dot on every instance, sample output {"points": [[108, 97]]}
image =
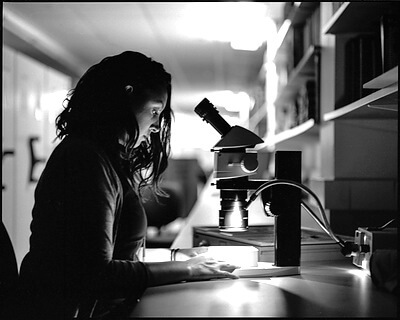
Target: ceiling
{"points": [[72, 36]]}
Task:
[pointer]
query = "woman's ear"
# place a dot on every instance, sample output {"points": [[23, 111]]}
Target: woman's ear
{"points": [[129, 89]]}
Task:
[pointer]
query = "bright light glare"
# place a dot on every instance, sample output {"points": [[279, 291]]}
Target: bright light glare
{"points": [[38, 114], [359, 272], [243, 256], [31, 101], [185, 134], [52, 103], [234, 297], [231, 101], [271, 93], [276, 39], [236, 218], [245, 25]]}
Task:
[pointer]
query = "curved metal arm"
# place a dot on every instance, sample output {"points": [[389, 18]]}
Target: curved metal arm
{"points": [[271, 183]]}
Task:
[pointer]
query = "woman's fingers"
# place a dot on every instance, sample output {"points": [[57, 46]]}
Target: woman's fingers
{"points": [[223, 265], [229, 267], [207, 268], [230, 275]]}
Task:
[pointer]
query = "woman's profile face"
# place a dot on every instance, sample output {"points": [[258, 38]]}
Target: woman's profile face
{"points": [[148, 117]]}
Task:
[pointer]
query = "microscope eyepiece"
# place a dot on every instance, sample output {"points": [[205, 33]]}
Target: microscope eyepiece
{"points": [[206, 110]]}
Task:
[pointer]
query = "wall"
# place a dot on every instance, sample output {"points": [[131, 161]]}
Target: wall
{"points": [[32, 97]]}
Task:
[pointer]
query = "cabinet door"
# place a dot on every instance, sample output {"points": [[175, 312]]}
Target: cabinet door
{"points": [[8, 143], [55, 91], [32, 97], [29, 131]]}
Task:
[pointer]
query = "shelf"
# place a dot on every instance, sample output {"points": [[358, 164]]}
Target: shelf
{"points": [[357, 17], [305, 70], [297, 16], [375, 105], [304, 132], [369, 107], [384, 80], [259, 115]]}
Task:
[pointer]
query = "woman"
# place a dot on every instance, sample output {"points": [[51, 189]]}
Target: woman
{"points": [[88, 220]]}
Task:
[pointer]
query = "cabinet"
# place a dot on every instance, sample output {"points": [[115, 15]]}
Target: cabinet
{"points": [[297, 63], [32, 97], [352, 139], [363, 22]]}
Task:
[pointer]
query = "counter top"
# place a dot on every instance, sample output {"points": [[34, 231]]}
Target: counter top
{"points": [[323, 289]]}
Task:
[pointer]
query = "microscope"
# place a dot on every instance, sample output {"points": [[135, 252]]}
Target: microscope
{"points": [[234, 163]]}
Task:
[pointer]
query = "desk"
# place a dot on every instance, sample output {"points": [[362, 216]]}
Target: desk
{"points": [[323, 289]]}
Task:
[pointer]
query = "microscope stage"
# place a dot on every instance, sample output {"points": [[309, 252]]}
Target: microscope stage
{"points": [[315, 245]]}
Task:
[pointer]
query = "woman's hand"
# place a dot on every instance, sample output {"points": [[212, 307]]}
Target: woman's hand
{"points": [[193, 264], [204, 268]]}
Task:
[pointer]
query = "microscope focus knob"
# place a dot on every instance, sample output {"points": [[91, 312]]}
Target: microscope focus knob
{"points": [[249, 163]]}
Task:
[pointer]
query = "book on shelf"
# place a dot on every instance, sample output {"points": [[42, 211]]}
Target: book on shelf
{"points": [[298, 48], [306, 102], [311, 30], [362, 63], [297, 111]]}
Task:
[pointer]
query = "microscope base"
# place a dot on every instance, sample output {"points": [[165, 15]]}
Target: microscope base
{"points": [[267, 269]]}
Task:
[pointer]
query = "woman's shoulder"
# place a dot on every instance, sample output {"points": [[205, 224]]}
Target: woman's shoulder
{"points": [[81, 148], [83, 153]]}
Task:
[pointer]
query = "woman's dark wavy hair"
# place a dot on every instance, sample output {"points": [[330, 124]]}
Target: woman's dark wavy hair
{"points": [[100, 108]]}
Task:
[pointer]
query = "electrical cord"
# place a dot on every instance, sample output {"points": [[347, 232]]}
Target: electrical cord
{"points": [[313, 215], [381, 227], [347, 246]]}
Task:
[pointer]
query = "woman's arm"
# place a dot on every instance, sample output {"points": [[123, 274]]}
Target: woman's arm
{"points": [[92, 205]]}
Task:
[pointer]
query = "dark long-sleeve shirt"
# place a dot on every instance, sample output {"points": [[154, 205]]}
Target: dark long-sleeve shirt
{"points": [[87, 226]]}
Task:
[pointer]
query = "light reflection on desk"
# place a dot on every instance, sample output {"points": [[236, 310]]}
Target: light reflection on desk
{"points": [[321, 290]]}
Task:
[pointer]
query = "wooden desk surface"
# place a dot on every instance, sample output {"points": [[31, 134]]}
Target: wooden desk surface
{"points": [[323, 289]]}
